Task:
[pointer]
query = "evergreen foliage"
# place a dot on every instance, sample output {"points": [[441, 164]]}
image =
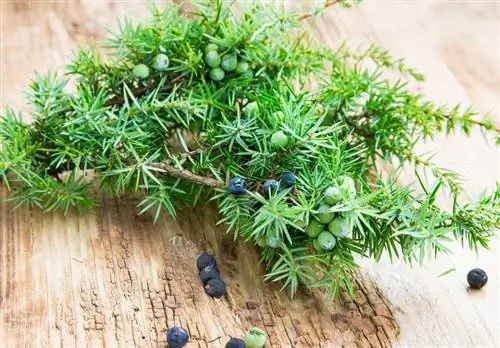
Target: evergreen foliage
{"points": [[154, 117]]}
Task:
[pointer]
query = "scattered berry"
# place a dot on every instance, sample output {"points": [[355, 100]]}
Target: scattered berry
{"points": [[235, 343], [208, 273], [477, 278], [215, 288], [347, 186], [229, 62], [314, 228], [255, 338], [212, 59], [332, 195], [274, 242], [205, 260], [324, 214], [279, 140], [288, 180], [270, 187], [161, 62], [339, 228], [326, 240], [237, 186], [251, 109], [140, 71], [177, 337], [217, 74], [211, 48], [242, 67]]}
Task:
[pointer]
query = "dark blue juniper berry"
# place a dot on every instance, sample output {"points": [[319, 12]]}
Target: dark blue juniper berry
{"points": [[215, 288], [177, 337], [237, 186], [235, 343], [208, 273], [288, 180], [270, 187], [477, 278], [206, 260]]}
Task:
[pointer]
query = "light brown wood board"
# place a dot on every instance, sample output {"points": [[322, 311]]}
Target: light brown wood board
{"points": [[109, 278]]}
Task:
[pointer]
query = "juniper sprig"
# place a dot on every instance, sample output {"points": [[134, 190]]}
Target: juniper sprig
{"points": [[243, 109]]}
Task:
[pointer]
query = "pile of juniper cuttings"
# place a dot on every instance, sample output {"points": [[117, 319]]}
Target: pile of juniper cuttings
{"points": [[243, 109]]}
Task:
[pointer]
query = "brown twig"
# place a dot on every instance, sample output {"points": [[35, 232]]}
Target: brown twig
{"points": [[187, 175], [140, 91], [310, 14], [479, 124], [137, 92]]}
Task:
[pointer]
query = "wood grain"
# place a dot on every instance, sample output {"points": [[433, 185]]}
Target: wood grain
{"points": [[110, 278]]}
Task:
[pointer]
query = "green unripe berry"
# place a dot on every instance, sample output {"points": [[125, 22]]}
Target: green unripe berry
{"points": [[347, 186], [229, 62], [212, 59], [251, 109], [314, 228], [274, 242], [324, 214], [326, 240], [255, 338], [317, 246], [262, 242], [248, 75], [217, 74], [279, 140], [279, 115], [339, 228], [301, 223], [332, 195], [161, 62], [242, 67], [141, 71], [211, 47]]}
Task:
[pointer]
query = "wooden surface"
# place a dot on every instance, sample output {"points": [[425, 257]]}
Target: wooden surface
{"points": [[108, 278]]}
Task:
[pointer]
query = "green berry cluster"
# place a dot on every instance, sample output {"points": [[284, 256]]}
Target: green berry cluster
{"points": [[159, 63], [328, 226], [223, 64]]}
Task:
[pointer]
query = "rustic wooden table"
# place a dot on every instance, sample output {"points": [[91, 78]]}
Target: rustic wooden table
{"points": [[110, 279]]}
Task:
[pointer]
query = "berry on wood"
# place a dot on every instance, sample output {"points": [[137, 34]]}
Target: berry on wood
{"points": [[477, 278], [205, 260], [208, 273], [177, 337], [255, 338], [235, 343], [215, 288]]}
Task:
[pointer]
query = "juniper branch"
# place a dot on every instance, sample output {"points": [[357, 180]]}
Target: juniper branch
{"points": [[187, 175], [128, 127], [313, 13]]}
